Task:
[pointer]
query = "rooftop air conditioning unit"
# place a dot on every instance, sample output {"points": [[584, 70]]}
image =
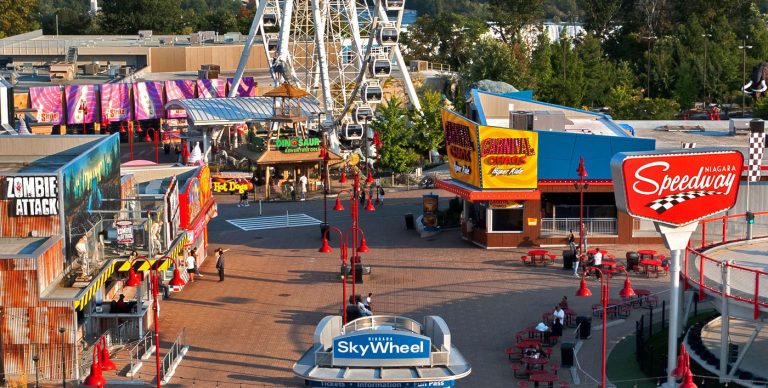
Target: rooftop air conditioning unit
{"points": [[145, 34]]}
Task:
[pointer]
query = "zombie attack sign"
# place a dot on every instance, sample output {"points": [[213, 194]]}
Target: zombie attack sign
{"points": [[32, 195], [676, 187]]}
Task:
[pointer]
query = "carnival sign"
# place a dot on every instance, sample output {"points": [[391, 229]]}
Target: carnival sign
{"points": [[297, 144], [508, 158], [124, 232], [381, 348], [32, 195], [461, 145], [676, 187]]}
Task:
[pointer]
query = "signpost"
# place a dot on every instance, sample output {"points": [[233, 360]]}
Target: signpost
{"points": [[676, 189], [124, 232]]}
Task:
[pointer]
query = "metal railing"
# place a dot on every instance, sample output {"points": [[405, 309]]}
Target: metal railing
{"points": [[179, 346], [138, 350], [115, 336], [397, 323], [595, 226], [705, 272]]}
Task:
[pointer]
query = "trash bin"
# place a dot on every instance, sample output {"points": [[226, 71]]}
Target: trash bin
{"points": [[633, 259], [585, 326], [568, 258], [409, 224], [566, 355], [359, 271], [345, 269]]}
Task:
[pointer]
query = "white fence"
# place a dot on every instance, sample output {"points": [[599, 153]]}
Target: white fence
{"points": [[595, 226]]}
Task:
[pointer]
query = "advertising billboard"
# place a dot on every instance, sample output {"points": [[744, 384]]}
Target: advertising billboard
{"points": [[676, 187], [508, 158], [47, 101], [82, 105], [461, 146], [115, 102], [381, 348], [91, 185], [179, 90]]}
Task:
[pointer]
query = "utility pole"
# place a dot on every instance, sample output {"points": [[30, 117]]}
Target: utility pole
{"points": [[648, 66], [744, 49]]}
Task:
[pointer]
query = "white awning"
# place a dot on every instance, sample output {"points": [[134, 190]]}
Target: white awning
{"points": [[221, 111]]}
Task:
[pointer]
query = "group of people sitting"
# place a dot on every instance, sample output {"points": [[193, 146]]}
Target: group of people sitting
{"points": [[358, 307], [555, 328]]}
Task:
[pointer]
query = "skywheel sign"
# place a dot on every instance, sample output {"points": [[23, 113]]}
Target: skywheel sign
{"points": [[381, 348]]}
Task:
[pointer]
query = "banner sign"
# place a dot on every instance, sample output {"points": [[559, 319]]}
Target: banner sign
{"points": [[676, 187], [429, 206], [381, 348], [124, 232], [148, 98], [509, 158], [211, 88], [229, 185], [461, 144], [179, 90], [297, 144], [32, 195], [82, 106], [47, 101], [115, 102], [388, 384], [247, 88]]}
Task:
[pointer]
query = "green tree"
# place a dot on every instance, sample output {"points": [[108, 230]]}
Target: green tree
{"points": [[495, 60], [541, 62], [16, 17], [445, 38], [130, 16], [508, 18], [391, 122], [599, 16], [428, 131]]}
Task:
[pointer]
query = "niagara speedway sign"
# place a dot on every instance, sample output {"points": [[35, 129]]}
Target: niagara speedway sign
{"points": [[676, 187]]}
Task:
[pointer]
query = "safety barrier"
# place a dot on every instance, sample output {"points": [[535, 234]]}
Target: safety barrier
{"points": [[705, 271], [174, 355]]}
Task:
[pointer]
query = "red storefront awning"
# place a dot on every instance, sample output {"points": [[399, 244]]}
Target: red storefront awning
{"points": [[475, 194]]}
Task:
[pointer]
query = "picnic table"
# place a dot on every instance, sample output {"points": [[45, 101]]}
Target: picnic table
{"points": [[532, 363], [528, 343], [646, 253], [640, 295], [543, 378], [650, 265], [541, 256]]}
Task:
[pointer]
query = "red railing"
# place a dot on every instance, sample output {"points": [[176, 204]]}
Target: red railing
{"points": [[705, 271]]}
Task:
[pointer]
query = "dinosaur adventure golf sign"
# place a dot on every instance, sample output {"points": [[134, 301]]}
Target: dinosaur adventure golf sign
{"points": [[676, 187]]}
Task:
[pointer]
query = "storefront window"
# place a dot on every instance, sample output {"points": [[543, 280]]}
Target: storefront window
{"points": [[507, 220], [476, 213]]}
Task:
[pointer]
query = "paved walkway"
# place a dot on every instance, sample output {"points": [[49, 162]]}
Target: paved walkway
{"points": [[249, 330]]}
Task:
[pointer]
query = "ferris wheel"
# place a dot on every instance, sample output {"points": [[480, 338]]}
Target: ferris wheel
{"points": [[341, 51]]}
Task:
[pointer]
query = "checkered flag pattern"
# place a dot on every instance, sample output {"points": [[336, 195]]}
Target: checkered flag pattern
{"points": [[688, 145], [756, 146], [663, 204]]}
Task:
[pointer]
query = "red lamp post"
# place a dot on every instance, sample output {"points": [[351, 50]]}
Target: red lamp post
{"points": [[326, 248], [155, 285], [157, 145], [583, 291], [581, 186]]}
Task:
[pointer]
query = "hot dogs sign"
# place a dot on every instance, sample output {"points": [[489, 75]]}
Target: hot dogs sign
{"points": [[490, 157], [676, 187]]}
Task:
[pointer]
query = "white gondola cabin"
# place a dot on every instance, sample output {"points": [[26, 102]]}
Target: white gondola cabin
{"points": [[394, 5], [272, 42], [269, 19], [363, 113], [388, 34], [372, 92], [380, 67], [351, 131]]}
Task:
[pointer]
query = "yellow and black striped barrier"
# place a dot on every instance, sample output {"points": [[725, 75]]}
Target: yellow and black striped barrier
{"points": [[94, 286]]}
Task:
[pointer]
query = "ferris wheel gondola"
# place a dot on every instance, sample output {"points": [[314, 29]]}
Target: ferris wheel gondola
{"points": [[363, 112], [372, 92], [388, 35], [380, 67], [394, 5], [270, 18], [351, 131]]}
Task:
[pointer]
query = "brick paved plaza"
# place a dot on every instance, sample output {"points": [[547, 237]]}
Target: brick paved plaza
{"points": [[250, 329]]}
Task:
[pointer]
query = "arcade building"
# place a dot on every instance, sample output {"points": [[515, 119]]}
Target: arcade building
{"points": [[514, 161]]}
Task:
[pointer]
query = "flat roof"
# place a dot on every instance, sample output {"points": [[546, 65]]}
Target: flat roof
{"points": [[10, 246], [42, 153], [671, 133], [37, 40]]}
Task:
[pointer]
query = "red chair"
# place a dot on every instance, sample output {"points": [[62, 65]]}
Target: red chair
{"points": [[651, 301], [522, 384], [518, 370], [526, 260], [552, 258], [563, 384], [624, 310], [554, 368]]}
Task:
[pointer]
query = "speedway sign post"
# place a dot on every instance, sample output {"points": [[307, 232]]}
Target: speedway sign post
{"points": [[676, 189]]}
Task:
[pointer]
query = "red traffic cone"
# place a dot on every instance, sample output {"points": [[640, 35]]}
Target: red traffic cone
{"points": [[369, 206]]}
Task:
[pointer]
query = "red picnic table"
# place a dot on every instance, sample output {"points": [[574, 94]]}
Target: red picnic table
{"points": [[646, 253], [528, 343], [543, 378], [533, 362], [650, 265], [541, 256]]}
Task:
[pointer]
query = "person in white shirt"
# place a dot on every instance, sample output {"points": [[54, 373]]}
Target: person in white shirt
{"points": [[303, 184], [597, 258], [191, 265], [559, 313]]}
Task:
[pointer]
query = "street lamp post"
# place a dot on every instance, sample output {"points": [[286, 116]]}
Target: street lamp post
{"points": [[156, 311], [35, 359], [625, 292], [326, 248], [744, 49], [63, 360], [706, 37], [581, 186]]}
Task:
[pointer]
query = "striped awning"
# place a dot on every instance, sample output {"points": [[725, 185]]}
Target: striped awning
{"points": [[222, 111], [87, 293]]}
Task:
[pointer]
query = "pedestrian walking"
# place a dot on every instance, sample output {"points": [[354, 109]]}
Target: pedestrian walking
{"points": [[381, 195], [303, 186], [293, 192], [572, 242], [194, 254], [220, 262], [190, 262], [362, 197]]}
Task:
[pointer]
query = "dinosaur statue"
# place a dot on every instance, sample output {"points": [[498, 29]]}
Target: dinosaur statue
{"points": [[756, 86]]}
